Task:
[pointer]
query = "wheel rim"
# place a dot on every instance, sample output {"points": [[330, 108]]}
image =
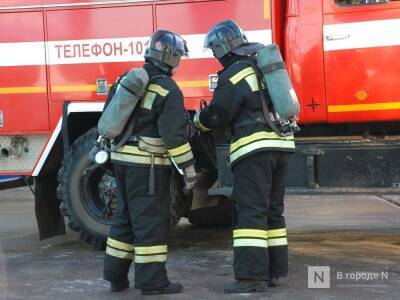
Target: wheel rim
{"points": [[97, 186]]}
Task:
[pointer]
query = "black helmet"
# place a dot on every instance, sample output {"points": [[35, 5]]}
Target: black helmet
{"points": [[166, 48], [227, 37]]}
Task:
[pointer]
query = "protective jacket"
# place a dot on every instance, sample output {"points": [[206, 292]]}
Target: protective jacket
{"points": [[161, 118], [236, 103]]}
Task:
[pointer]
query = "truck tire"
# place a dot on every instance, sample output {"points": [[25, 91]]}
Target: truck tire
{"points": [[84, 189], [219, 215]]}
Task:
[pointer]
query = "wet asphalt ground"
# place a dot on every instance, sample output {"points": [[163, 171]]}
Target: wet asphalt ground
{"points": [[358, 237]]}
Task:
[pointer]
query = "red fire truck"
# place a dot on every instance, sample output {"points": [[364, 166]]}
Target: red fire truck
{"points": [[59, 57]]}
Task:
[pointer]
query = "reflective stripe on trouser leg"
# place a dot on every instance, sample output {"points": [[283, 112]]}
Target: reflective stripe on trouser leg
{"points": [[278, 252], [150, 220], [251, 192], [120, 250], [151, 254]]}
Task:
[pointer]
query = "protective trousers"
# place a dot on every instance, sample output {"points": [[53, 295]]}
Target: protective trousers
{"points": [[139, 228], [260, 238]]}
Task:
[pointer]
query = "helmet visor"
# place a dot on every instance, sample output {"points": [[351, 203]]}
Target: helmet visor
{"points": [[181, 46]]}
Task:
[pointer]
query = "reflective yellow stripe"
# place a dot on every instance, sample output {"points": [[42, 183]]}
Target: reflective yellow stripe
{"points": [[267, 9], [277, 235], [250, 233], [148, 100], [241, 75], [158, 89], [180, 150], [253, 82], [183, 158], [261, 144], [145, 160], [150, 259], [198, 124], [151, 250], [118, 253], [23, 90], [250, 243], [363, 107], [277, 242], [280, 230], [257, 136], [84, 88], [120, 245], [74, 88], [193, 83], [136, 151], [277, 232]]}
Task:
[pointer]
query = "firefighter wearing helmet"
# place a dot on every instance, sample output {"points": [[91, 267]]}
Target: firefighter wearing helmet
{"points": [[259, 160], [142, 168]]}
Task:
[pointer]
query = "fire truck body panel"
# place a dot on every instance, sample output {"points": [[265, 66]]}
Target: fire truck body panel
{"points": [[361, 62], [304, 58], [23, 73]]}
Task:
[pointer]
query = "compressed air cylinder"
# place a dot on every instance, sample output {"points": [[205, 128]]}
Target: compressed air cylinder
{"points": [[275, 76], [117, 114]]}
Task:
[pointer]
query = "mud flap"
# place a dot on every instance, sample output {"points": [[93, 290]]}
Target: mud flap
{"points": [[49, 219]]}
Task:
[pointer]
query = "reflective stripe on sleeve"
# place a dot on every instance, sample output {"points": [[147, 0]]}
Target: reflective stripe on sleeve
{"points": [[118, 253], [250, 243], [183, 158], [181, 154], [198, 124], [120, 245], [180, 150]]}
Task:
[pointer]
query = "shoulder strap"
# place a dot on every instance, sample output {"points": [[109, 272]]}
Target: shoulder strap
{"points": [[132, 121], [263, 99]]}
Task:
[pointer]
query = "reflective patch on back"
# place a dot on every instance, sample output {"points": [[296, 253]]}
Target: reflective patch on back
{"points": [[148, 100], [158, 89], [253, 82], [241, 75]]}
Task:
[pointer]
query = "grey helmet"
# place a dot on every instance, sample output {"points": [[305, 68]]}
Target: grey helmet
{"points": [[166, 48], [227, 37]]}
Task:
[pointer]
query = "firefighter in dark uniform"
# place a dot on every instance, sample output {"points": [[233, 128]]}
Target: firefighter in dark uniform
{"points": [[142, 168], [259, 160]]}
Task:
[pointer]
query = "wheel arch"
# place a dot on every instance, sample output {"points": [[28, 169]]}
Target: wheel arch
{"points": [[77, 118]]}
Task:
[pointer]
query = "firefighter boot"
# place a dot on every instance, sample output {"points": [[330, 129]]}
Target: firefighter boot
{"points": [[119, 286], [273, 282], [246, 286], [171, 288]]}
